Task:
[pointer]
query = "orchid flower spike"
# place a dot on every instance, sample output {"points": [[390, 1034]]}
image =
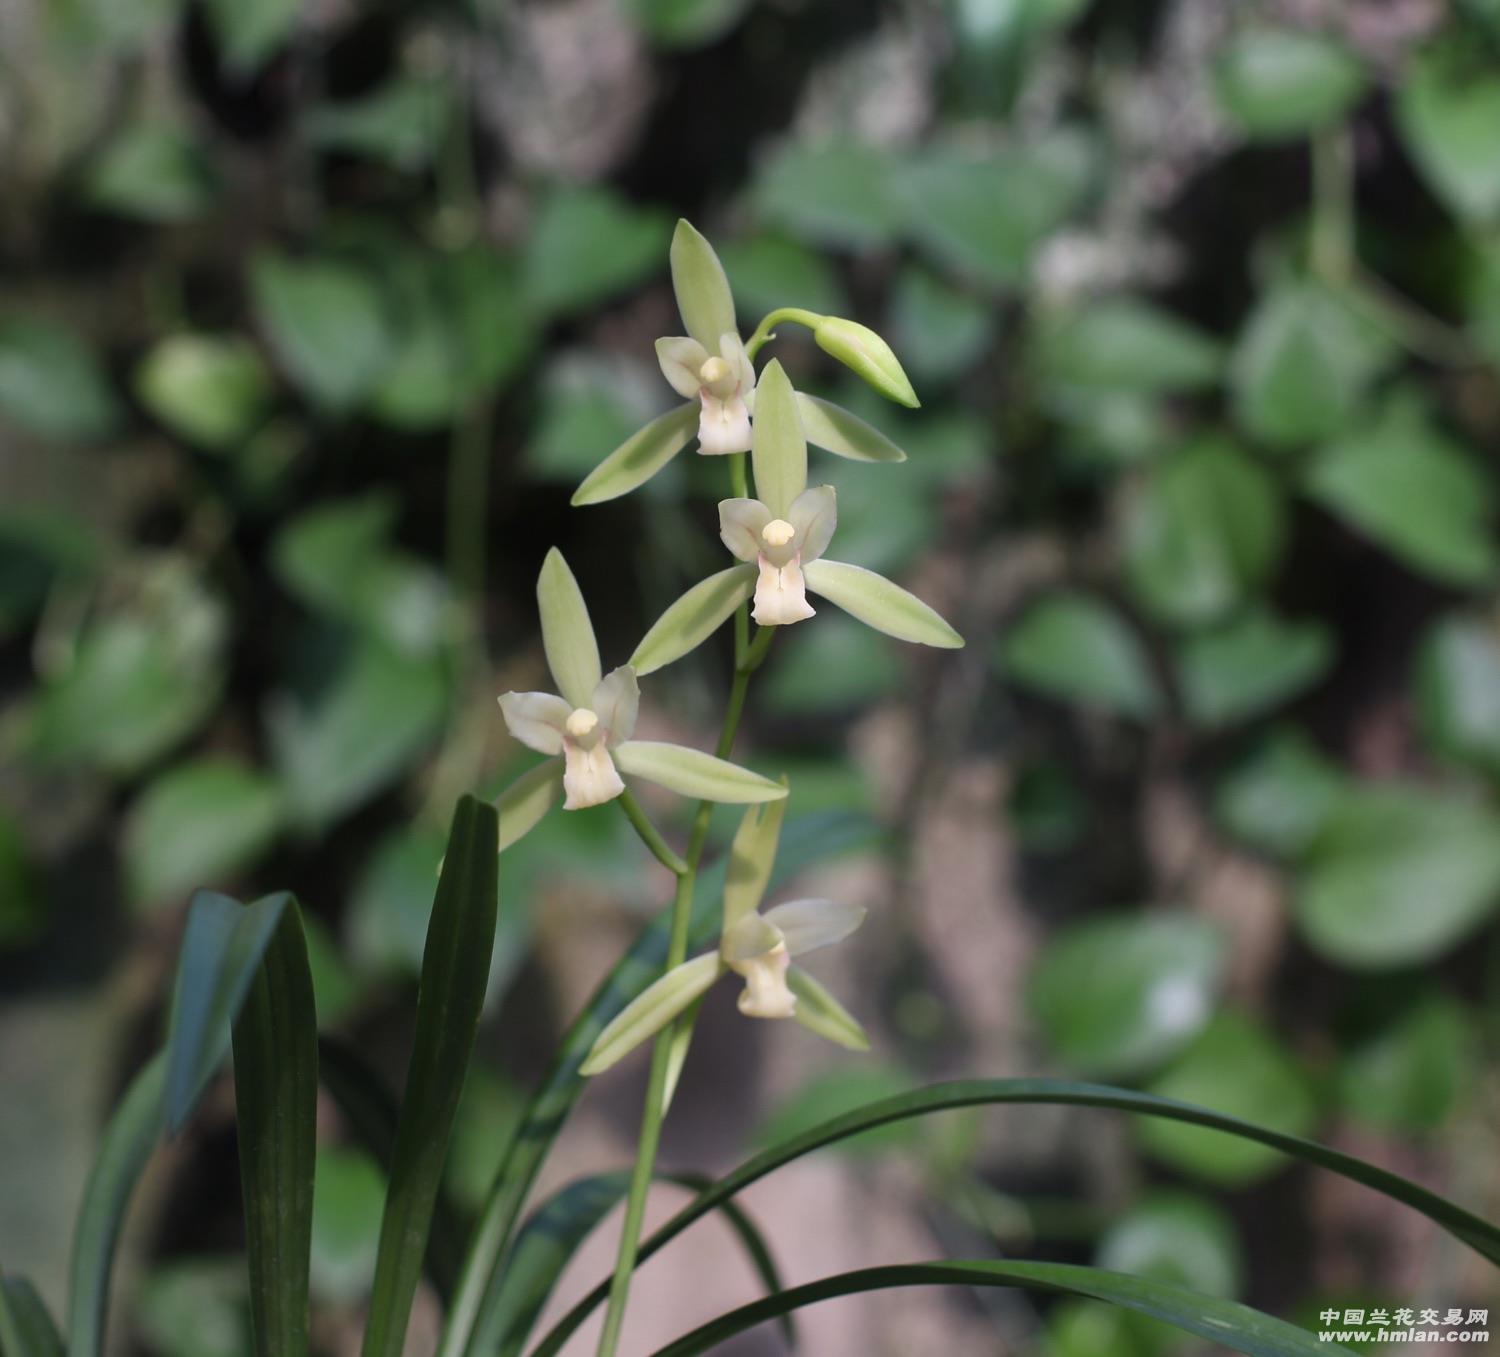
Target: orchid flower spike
{"points": [[711, 368], [591, 723], [758, 947]]}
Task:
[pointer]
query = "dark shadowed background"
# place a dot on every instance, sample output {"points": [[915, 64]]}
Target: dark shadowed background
{"points": [[313, 314]]}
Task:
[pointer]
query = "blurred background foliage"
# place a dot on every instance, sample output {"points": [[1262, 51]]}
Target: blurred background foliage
{"points": [[311, 316]]}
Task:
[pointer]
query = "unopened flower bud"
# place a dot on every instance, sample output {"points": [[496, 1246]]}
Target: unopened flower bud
{"points": [[865, 352]]}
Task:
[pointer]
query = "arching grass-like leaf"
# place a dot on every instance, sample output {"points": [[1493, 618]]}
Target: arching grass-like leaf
{"points": [[221, 952], [472, 1326], [1479, 1234], [276, 1113], [455, 971], [550, 1238], [1223, 1322], [26, 1329], [131, 1136]]}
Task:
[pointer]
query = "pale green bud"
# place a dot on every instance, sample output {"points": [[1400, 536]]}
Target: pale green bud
{"points": [[858, 347]]}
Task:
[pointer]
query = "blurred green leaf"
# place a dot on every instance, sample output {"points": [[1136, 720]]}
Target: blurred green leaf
{"points": [[1116, 995], [138, 680], [587, 245], [1047, 809], [1235, 1067], [249, 31], [276, 1111], [195, 1307], [326, 323], [51, 384], [26, 1328], [1398, 875], [837, 195], [1416, 493], [455, 971], [357, 730], [154, 173], [1302, 364], [1410, 1075], [1074, 647], [985, 215], [119, 27], [40, 547], [838, 665], [392, 901], [1176, 1237], [1279, 82], [338, 559], [685, 23], [1125, 344], [348, 1197], [23, 908], [1202, 531], [197, 825], [402, 123], [939, 330], [1239, 670], [487, 1115], [1448, 108], [828, 1095], [1086, 1328], [1458, 689], [336, 988], [1279, 799], [769, 271], [208, 389]]}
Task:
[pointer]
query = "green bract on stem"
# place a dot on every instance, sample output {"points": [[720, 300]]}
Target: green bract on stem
{"points": [[778, 537]]}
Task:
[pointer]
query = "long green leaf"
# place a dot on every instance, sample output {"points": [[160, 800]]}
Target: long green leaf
{"points": [[370, 1109], [455, 970], [1223, 1322], [1478, 1234], [221, 949], [131, 1136], [26, 1329], [276, 1112], [471, 1327], [550, 1238]]}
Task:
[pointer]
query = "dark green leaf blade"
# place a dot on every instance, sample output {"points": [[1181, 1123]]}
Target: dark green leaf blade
{"points": [[131, 1136], [455, 972], [1223, 1322], [276, 1105], [221, 951], [1478, 1234], [26, 1329]]}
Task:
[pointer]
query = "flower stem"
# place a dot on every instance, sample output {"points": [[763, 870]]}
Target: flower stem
{"points": [[763, 331], [650, 835], [747, 660]]}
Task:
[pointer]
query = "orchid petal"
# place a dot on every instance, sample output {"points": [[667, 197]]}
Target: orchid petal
{"points": [[752, 856], [809, 924], [681, 360], [740, 525], [820, 1012], [814, 514], [693, 618], [640, 456], [535, 719], [526, 800], [616, 701]]}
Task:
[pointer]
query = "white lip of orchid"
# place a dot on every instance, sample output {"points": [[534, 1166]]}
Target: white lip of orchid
{"points": [[766, 994], [781, 590]]}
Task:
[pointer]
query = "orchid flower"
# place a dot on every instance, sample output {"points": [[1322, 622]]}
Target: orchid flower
{"points": [[781, 538], [758, 947], [711, 367], [590, 725]]}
